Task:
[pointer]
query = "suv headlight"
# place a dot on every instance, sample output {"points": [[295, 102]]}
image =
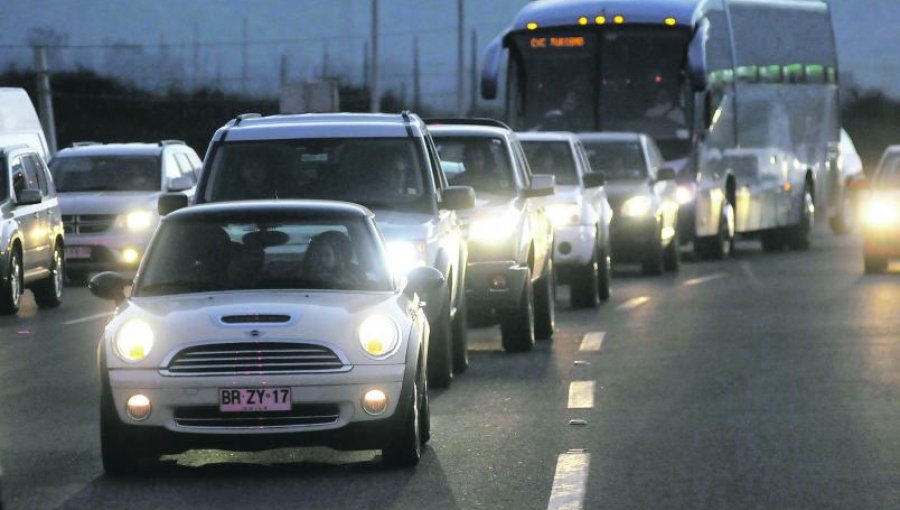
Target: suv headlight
{"points": [[133, 341], [493, 230], [684, 194], [881, 214], [406, 255], [637, 206], [378, 336], [564, 214], [137, 221]]}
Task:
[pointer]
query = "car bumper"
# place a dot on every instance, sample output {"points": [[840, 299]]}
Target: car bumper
{"points": [[574, 245], [175, 400], [631, 238], [882, 242], [104, 253], [495, 285]]}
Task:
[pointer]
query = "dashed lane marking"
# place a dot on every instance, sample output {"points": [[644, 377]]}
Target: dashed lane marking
{"points": [[631, 304], [581, 394], [704, 279], [88, 318], [592, 342], [570, 481]]}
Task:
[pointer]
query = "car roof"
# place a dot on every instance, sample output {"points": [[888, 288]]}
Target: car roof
{"points": [[610, 137], [250, 209], [547, 136], [318, 125], [468, 130], [112, 149]]}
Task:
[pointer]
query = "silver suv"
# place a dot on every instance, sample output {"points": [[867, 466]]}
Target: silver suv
{"points": [[108, 195], [387, 163]]}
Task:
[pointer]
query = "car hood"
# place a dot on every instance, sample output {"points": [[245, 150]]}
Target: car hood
{"points": [[563, 195], [325, 317], [404, 226], [618, 192], [107, 202], [487, 204]]}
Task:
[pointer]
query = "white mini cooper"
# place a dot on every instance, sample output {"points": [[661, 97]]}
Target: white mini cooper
{"points": [[256, 325]]}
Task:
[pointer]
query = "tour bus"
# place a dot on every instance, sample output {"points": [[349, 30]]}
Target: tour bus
{"points": [[740, 95]]}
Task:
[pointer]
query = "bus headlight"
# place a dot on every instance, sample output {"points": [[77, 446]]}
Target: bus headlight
{"points": [[406, 255], [564, 214], [636, 207], [133, 341], [378, 336], [881, 214]]}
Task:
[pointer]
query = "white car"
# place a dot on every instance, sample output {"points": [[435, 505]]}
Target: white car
{"points": [[257, 325], [580, 213]]}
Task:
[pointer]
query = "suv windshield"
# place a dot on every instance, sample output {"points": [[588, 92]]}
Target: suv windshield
{"points": [[620, 161], [207, 255], [552, 158], [378, 173], [480, 162], [106, 173], [889, 174]]}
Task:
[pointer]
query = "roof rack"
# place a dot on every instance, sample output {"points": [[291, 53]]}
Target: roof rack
{"points": [[85, 144], [244, 116], [462, 121], [163, 143]]}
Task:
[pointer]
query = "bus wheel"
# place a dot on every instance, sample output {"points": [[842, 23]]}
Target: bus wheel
{"points": [[799, 235]]}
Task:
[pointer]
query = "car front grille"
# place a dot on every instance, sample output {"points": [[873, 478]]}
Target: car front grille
{"points": [[299, 415], [88, 223], [254, 358]]}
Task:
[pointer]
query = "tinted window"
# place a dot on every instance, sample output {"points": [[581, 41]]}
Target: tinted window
{"points": [[207, 255], [35, 168], [379, 172], [552, 158], [618, 160], [480, 162], [106, 173]]}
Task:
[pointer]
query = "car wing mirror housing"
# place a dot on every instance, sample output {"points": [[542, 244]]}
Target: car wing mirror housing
{"points": [[422, 280], [171, 202], [594, 179], [456, 198], [665, 174], [180, 184], [109, 285], [541, 186], [29, 197]]}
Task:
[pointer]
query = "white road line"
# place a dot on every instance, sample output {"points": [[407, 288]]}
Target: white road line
{"points": [[581, 394], [88, 318], [570, 481], [592, 342], [631, 304], [704, 279]]}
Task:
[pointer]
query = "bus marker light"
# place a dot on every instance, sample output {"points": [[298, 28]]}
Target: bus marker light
{"points": [[600, 20], [619, 19]]}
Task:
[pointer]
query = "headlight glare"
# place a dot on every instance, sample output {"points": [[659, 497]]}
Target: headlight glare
{"points": [[133, 341], [378, 336], [637, 206], [406, 255], [684, 194], [564, 214], [139, 220], [881, 213], [493, 230]]}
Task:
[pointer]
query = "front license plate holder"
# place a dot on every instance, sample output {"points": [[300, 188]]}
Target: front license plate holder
{"points": [[254, 400]]}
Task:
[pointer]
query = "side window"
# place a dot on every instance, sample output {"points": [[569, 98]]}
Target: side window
{"points": [[17, 173], [184, 164], [582, 155], [29, 175], [170, 166], [522, 162], [34, 172], [440, 179]]}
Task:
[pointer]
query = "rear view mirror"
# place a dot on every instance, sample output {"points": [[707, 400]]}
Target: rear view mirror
{"points": [[171, 202], [423, 280], [541, 186], [594, 179], [665, 174], [29, 197], [456, 198], [181, 184], [109, 285]]}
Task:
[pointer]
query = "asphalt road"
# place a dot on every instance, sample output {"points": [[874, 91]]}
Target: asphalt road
{"points": [[767, 381]]}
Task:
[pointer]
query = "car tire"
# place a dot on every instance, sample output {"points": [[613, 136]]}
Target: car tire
{"points": [[517, 325], [480, 317], [440, 347], [604, 273], [48, 292], [672, 256], [875, 265], [545, 304], [461, 335], [842, 223], [120, 449], [772, 240], [11, 298], [653, 263], [405, 450], [799, 237], [585, 280], [719, 246]]}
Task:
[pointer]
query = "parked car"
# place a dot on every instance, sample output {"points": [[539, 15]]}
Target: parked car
{"points": [[108, 195], [257, 325], [642, 193], [510, 237], [881, 226], [385, 162], [580, 214], [31, 229]]}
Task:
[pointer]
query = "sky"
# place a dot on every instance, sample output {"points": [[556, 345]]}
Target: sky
{"points": [[308, 35]]}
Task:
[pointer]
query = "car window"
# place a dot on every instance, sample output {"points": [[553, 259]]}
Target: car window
{"points": [[184, 164], [480, 162], [620, 161], [25, 176], [889, 174], [219, 255], [170, 166], [35, 168], [105, 173], [552, 158]]}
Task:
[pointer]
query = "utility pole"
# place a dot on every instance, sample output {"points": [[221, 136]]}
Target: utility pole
{"points": [[244, 59], [45, 99], [473, 90], [460, 60], [375, 103], [417, 76]]}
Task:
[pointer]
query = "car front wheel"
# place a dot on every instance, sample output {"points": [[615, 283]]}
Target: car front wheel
{"points": [[517, 325], [406, 449], [48, 293], [11, 297], [545, 304], [440, 346]]}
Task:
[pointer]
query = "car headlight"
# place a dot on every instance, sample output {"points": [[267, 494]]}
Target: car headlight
{"points": [[881, 214], [405, 255], [378, 336], [684, 194], [138, 221], [133, 341], [493, 230], [637, 206], [564, 214]]}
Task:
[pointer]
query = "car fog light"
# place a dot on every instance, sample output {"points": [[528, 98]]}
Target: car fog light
{"points": [[375, 402], [498, 282], [130, 255], [565, 248], [138, 407]]}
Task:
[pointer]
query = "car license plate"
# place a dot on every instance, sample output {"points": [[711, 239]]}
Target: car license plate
{"points": [[78, 252], [252, 400]]}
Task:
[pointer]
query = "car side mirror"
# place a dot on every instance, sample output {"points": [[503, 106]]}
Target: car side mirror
{"points": [[456, 198], [541, 186], [170, 202], [665, 174], [594, 179], [29, 197], [423, 280], [181, 184], [109, 285]]}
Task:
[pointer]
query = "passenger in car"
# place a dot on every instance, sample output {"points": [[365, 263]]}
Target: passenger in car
{"points": [[329, 262]]}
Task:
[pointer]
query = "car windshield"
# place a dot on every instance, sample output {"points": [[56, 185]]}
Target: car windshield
{"points": [[209, 255], [480, 162], [106, 173], [552, 158], [889, 172], [378, 173], [620, 161]]}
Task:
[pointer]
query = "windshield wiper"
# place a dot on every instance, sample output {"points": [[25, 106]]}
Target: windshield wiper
{"points": [[94, 188]]}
